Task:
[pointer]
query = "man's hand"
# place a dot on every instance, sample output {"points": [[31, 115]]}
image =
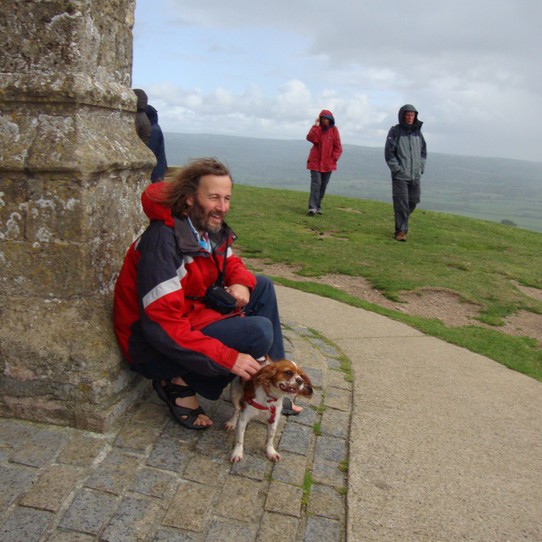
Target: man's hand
{"points": [[241, 294], [245, 366]]}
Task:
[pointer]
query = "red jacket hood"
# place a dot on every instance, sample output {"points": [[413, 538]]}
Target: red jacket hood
{"points": [[326, 113], [152, 207]]}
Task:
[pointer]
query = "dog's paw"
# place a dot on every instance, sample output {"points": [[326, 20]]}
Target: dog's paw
{"points": [[230, 425], [237, 454], [272, 454]]}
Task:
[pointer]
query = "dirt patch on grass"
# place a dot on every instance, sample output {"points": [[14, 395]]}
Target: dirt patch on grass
{"points": [[439, 303]]}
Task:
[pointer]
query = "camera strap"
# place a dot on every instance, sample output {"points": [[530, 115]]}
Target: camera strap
{"points": [[221, 272]]}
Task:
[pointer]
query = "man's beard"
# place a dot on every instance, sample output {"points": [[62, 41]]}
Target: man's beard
{"points": [[201, 220]]}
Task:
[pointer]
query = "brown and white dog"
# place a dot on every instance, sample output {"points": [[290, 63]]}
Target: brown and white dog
{"points": [[261, 398]]}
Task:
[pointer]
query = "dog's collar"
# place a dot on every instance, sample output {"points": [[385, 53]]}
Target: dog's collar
{"points": [[272, 408]]}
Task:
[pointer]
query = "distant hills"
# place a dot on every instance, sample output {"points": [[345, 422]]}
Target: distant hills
{"points": [[495, 189]]}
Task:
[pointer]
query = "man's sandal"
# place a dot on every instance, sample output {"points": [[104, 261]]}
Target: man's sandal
{"points": [[182, 415]]}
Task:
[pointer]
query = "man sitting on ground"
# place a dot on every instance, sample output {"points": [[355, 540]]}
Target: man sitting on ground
{"points": [[167, 326]]}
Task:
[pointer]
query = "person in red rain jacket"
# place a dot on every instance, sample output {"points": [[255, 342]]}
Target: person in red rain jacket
{"points": [[165, 327], [323, 157]]}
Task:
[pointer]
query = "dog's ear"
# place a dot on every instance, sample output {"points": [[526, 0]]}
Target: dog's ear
{"points": [[264, 375], [307, 385]]}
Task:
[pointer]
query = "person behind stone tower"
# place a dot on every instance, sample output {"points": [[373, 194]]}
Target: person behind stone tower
{"points": [[157, 145], [143, 124], [323, 157], [405, 153]]}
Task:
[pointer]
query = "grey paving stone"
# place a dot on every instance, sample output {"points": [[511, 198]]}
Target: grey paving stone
{"points": [[152, 414], [114, 473], [337, 379], [169, 454], [284, 499], [134, 519], [300, 330], [52, 487], [296, 438], [254, 465], [290, 469], [277, 527], [190, 506], [180, 434], [231, 532], [82, 450], [25, 525], [339, 399], [330, 449], [14, 480], [137, 437], [326, 349], [205, 470], [333, 363], [327, 502], [325, 472], [175, 535], [317, 342], [89, 511], [14, 433], [40, 449], [155, 483], [215, 443], [316, 400], [315, 375], [335, 423], [70, 536], [240, 499], [308, 416], [319, 529]]}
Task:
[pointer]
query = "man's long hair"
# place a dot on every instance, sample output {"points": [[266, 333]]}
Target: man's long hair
{"points": [[185, 184]]}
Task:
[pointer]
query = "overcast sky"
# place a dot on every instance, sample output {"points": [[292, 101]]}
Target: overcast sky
{"points": [[472, 68]]}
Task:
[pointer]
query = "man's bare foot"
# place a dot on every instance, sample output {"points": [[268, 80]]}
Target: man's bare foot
{"points": [[191, 403]]}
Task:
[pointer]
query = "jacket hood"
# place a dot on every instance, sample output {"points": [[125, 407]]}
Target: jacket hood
{"points": [[401, 116], [328, 115], [152, 113], [150, 199], [142, 99]]}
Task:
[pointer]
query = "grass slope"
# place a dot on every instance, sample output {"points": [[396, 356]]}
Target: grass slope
{"points": [[477, 259]]}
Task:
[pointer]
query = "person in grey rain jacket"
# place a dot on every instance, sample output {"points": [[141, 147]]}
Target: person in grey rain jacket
{"points": [[405, 153]]}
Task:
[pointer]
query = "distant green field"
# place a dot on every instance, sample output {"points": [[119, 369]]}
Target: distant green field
{"points": [[480, 260]]}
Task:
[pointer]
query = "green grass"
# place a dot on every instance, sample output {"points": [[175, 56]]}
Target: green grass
{"points": [[477, 259]]}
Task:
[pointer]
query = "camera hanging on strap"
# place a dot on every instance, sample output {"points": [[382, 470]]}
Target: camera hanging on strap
{"points": [[216, 297]]}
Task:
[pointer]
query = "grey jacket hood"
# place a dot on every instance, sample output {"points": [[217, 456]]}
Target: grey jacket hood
{"points": [[401, 117]]}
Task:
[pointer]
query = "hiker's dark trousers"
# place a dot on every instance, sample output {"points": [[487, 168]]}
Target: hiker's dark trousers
{"points": [[406, 195], [319, 182]]}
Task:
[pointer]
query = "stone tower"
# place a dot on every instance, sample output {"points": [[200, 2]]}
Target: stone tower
{"points": [[71, 172]]}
